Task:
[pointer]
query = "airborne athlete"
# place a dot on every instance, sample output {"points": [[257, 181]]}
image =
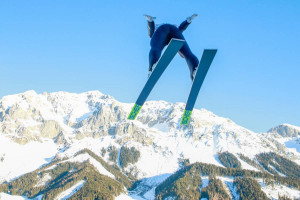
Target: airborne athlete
{"points": [[162, 35], [171, 36]]}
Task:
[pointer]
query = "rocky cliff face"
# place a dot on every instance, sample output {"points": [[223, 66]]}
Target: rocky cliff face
{"points": [[286, 130], [68, 117], [66, 123]]}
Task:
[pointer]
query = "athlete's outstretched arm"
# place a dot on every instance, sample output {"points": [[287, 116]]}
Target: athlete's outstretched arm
{"points": [[151, 28], [151, 25], [183, 26]]}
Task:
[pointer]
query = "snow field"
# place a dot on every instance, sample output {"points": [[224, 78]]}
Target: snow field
{"points": [[21, 159], [272, 192], [209, 135]]}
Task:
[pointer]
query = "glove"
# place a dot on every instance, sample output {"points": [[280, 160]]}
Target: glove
{"points": [[190, 19], [150, 18]]}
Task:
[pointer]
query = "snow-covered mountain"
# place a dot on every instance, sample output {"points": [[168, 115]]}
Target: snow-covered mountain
{"points": [[286, 130], [37, 128]]}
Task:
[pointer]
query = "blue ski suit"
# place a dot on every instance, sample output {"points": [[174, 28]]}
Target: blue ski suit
{"points": [[162, 36]]}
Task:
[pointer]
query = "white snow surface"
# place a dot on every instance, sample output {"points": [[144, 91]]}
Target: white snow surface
{"points": [[159, 121], [229, 187], [69, 192], [21, 159], [293, 143], [124, 197], [272, 192], [292, 126], [246, 165], [205, 182], [4, 196], [146, 188], [44, 180]]}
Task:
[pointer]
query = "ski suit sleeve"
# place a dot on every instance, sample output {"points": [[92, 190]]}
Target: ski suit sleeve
{"points": [[151, 28], [183, 25]]}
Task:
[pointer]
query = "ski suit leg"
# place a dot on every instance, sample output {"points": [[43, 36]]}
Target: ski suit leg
{"points": [[185, 51], [159, 40], [151, 28], [190, 58]]}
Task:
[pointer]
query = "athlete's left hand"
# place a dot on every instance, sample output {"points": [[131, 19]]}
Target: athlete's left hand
{"points": [[190, 19]]}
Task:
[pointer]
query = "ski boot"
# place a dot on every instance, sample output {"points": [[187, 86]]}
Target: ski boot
{"points": [[194, 74], [151, 70]]}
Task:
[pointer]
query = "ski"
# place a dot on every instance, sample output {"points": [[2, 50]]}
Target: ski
{"points": [[173, 47], [205, 62]]}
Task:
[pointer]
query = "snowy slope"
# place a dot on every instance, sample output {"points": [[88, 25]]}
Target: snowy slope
{"points": [[273, 191], [287, 135], [30, 156], [36, 127], [96, 121], [69, 192], [15, 197]]}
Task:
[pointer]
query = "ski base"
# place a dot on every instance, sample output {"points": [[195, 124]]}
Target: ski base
{"points": [[186, 117], [134, 112], [163, 62], [205, 62]]}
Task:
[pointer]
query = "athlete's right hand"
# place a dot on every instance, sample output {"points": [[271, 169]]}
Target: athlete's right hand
{"points": [[150, 18]]}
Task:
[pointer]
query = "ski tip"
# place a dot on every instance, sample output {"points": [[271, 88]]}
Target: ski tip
{"points": [[134, 112], [210, 49], [186, 117], [179, 40], [213, 51]]}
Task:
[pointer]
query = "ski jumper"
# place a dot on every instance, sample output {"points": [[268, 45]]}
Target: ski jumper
{"points": [[162, 36]]}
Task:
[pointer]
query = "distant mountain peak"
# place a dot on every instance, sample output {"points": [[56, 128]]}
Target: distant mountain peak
{"points": [[286, 130], [150, 148], [30, 116]]}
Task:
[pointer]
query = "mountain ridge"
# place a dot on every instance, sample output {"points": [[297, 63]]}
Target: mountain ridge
{"points": [[71, 122]]}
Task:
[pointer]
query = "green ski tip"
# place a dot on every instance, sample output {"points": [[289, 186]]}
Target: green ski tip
{"points": [[134, 112], [186, 117]]}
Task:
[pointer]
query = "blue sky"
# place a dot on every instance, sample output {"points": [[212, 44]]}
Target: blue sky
{"points": [[78, 46]]}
